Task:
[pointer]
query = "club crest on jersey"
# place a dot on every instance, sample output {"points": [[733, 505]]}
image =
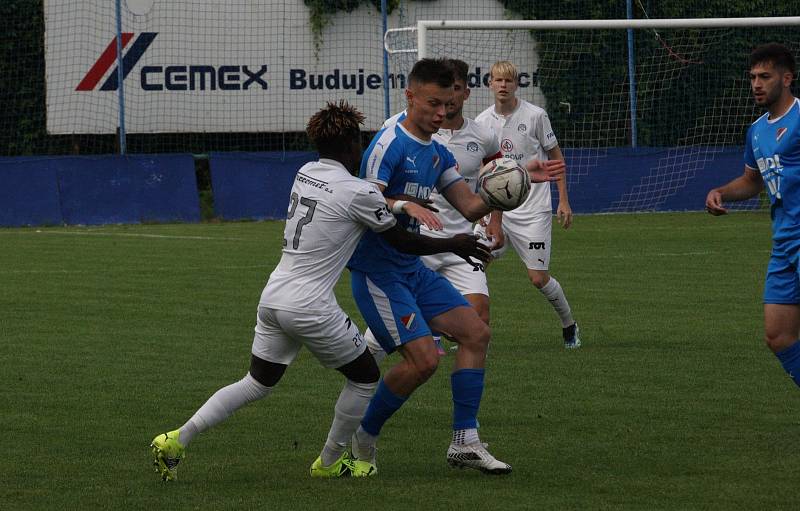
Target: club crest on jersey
{"points": [[506, 145], [408, 321], [522, 128], [472, 147], [780, 133]]}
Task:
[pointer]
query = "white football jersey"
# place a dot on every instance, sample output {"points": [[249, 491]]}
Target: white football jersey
{"points": [[524, 135], [471, 145], [329, 210]]}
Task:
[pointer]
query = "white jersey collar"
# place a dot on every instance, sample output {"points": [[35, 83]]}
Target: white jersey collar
{"points": [[333, 163], [776, 119]]}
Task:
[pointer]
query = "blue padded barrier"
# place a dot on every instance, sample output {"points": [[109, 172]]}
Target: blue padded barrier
{"points": [[28, 192], [128, 189], [102, 189], [254, 185]]}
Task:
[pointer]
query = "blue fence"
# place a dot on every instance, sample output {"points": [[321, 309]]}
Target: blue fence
{"points": [[163, 188]]}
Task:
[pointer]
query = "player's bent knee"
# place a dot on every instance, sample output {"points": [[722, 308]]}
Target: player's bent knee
{"points": [[538, 279], [264, 372], [779, 341], [425, 368]]}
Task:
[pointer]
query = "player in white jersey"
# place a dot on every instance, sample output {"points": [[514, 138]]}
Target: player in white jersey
{"points": [[525, 135], [329, 210]]}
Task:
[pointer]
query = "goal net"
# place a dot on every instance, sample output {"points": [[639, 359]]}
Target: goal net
{"points": [[685, 111]]}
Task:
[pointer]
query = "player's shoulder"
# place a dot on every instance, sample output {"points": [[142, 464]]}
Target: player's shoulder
{"points": [[486, 115], [386, 141], [393, 120], [530, 109], [478, 130]]}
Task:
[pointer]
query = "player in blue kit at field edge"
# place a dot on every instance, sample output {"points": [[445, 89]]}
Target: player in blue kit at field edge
{"points": [[772, 160], [401, 299]]}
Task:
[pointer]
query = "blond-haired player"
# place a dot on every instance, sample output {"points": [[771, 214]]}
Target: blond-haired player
{"points": [[525, 134]]}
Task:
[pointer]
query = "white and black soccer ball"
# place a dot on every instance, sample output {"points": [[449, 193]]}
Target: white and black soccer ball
{"points": [[503, 184]]}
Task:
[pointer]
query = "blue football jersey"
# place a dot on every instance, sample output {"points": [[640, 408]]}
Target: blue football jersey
{"points": [[772, 147], [407, 165]]}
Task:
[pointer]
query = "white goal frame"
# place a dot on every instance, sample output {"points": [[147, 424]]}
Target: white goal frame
{"points": [[424, 25]]}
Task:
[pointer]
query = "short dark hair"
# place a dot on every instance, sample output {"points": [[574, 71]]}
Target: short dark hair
{"points": [[775, 53], [334, 128], [460, 70], [438, 71]]}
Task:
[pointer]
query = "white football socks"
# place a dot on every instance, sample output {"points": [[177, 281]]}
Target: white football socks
{"points": [[349, 409], [465, 436], [555, 295], [221, 405]]}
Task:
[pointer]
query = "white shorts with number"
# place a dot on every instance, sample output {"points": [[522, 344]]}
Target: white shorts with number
{"points": [[529, 238], [331, 337], [465, 278]]}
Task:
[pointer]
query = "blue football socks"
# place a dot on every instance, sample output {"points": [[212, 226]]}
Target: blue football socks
{"points": [[382, 406], [790, 360], [467, 387]]}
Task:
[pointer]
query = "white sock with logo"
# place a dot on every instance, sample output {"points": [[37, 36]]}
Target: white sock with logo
{"points": [[555, 295]]}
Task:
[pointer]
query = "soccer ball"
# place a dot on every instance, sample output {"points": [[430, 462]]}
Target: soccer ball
{"points": [[503, 184]]}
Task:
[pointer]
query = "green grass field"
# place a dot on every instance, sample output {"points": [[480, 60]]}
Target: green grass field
{"points": [[110, 335]]}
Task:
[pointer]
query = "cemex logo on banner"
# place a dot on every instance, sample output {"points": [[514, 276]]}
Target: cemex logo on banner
{"points": [[170, 78]]}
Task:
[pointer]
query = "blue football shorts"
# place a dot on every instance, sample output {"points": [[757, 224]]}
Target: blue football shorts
{"points": [[782, 285], [397, 306]]}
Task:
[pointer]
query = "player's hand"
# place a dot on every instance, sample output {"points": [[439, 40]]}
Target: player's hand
{"points": [[468, 246], [564, 214], [495, 234], [425, 203], [542, 171], [714, 203], [423, 215]]}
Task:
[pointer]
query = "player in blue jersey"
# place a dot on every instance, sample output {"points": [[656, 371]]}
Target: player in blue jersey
{"points": [[772, 160], [400, 298]]}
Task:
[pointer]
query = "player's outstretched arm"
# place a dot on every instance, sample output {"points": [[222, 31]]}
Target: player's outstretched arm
{"points": [[469, 204], [542, 171], [463, 245], [744, 187]]}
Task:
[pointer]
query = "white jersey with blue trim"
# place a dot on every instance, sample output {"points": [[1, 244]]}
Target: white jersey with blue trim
{"points": [[772, 148], [404, 165], [329, 210], [471, 144], [524, 135]]}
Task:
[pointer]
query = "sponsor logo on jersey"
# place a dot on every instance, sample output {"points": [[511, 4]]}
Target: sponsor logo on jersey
{"points": [[550, 135], [780, 133], [522, 128], [408, 321], [412, 160], [506, 145], [415, 190], [472, 147], [772, 174]]}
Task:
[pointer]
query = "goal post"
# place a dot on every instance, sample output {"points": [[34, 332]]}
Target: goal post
{"points": [[687, 100]]}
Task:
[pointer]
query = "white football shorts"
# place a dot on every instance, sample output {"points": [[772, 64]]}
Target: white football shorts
{"points": [[529, 238], [466, 279], [331, 337]]}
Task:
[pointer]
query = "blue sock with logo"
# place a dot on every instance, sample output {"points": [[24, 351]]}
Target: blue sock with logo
{"points": [[790, 360], [382, 406], [467, 388]]}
